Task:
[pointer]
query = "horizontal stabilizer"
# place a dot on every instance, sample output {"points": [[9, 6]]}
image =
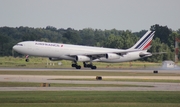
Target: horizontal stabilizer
{"points": [[156, 53]]}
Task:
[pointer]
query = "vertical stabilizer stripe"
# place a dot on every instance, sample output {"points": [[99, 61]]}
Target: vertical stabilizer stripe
{"points": [[145, 41]]}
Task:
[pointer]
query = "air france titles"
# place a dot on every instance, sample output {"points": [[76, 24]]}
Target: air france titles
{"points": [[47, 44]]}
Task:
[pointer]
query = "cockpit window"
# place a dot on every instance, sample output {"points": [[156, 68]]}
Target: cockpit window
{"points": [[19, 44]]}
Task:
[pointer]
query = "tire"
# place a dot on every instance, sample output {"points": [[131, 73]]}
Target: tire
{"points": [[93, 67], [74, 65], [27, 60], [78, 67]]}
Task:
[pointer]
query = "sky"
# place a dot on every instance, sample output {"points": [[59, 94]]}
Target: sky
{"points": [[133, 15]]}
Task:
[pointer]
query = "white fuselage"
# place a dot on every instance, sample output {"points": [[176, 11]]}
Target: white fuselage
{"points": [[65, 51]]}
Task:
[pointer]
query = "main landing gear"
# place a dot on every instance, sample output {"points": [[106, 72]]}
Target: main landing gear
{"points": [[74, 64], [89, 65]]}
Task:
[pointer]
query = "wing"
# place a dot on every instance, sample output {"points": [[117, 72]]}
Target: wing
{"points": [[108, 54]]}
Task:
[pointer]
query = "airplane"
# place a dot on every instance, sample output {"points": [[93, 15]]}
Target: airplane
{"points": [[85, 54]]}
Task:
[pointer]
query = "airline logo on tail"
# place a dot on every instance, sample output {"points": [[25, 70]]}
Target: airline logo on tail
{"points": [[145, 42]]}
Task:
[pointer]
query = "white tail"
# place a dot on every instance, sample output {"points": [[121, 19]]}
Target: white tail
{"points": [[145, 42]]}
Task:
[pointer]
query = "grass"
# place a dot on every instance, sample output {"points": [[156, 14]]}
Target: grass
{"points": [[90, 105], [90, 99], [40, 62]]}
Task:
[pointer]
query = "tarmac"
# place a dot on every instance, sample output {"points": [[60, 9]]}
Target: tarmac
{"points": [[150, 86]]}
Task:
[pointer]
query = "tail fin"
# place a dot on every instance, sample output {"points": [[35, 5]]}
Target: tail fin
{"points": [[145, 42]]}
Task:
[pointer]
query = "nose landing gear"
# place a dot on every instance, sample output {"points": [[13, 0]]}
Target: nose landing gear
{"points": [[27, 60]]}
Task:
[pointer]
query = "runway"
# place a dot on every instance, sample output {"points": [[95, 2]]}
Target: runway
{"points": [[149, 70], [152, 86]]}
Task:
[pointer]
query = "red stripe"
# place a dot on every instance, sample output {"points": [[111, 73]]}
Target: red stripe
{"points": [[147, 45]]}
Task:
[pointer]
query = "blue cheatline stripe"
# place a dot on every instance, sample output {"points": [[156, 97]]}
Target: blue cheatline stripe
{"points": [[137, 47]]}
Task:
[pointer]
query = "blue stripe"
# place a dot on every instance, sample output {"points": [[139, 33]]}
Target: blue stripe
{"points": [[137, 47], [146, 41]]}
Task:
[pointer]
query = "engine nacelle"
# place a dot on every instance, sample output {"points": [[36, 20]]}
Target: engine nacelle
{"points": [[82, 58], [112, 56], [55, 59]]}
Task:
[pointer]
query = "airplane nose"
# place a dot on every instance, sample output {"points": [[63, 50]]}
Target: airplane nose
{"points": [[14, 48]]}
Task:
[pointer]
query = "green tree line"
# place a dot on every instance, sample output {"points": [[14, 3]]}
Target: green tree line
{"points": [[163, 41]]}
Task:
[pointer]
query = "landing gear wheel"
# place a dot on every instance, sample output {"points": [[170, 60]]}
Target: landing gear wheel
{"points": [[89, 65], [74, 65], [78, 67], [27, 60], [93, 67]]}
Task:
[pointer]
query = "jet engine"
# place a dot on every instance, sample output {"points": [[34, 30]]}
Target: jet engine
{"points": [[112, 56], [82, 58], [55, 59]]}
